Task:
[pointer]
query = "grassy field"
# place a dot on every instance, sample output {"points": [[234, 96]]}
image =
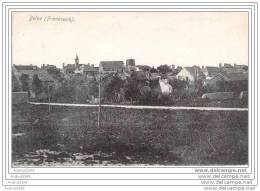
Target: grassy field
{"points": [[70, 136]]}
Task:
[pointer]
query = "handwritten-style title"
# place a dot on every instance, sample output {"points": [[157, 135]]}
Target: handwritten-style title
{"points": [[51, 19]]}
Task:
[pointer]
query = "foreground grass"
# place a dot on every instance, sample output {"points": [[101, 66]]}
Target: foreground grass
{"points": [[69, 135]]}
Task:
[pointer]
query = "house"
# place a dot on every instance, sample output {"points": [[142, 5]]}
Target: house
{"points": [[227, 81], [159, 87], [244, 67], [111, 67], [173, 75], [213, 82], [45, 78], [130, 65], [77, 68], [227, 65], [47, 81], [25, 67], [228, 68], [237, 76], [90, 71], [175, 71], [165, 87], [210, 71], [69, 68], [43, 75], [48, 66], [232, 70], [30, 71], [190, 74]]}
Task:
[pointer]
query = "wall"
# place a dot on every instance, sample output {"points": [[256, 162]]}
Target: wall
{"points": [[19, 97]]}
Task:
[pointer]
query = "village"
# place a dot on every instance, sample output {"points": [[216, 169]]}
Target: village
{"points": [[69, 115], [130, 83]]}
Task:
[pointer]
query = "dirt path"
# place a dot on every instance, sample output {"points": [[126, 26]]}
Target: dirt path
{"points": [[144, 107]]}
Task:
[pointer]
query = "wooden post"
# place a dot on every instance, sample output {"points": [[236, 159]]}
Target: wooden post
{"points": [[49, 99], [99, 99]]}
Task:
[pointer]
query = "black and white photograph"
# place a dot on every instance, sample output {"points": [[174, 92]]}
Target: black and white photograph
{"points": [[129, 95], [129, 88]]}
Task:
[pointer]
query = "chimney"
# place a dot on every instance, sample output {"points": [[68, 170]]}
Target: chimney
{"points": [[173, 66], [202, 67], [220, 65], [63, 65]]}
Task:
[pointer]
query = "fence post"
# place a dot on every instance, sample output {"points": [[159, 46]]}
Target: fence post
{"points": [[99, 99], [49, 99]]}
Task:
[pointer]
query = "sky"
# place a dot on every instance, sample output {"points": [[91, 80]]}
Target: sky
{"points": [[151, 38]]}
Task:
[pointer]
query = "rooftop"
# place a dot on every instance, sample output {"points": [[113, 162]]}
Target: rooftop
{"points": [[112, 65], [193, 70], [26, 67]]}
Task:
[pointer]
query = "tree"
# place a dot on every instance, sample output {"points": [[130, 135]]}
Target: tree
{"points": [[178, 84], [15, 84], [112, 88], [164, 69], [53, 70], [176, 71], [153, 70], [131, 87], [36, 84], [25, 82], [64, 93], [179, 88], [145, 95], [199, 87]]}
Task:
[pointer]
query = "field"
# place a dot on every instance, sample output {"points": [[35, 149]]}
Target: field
{"points": [[70, 136]]}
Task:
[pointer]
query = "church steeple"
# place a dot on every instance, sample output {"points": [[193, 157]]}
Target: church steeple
{"points": [[77, 60]]}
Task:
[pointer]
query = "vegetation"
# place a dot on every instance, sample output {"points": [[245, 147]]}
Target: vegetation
{"points": [[236, 87], [163, 69], [112, 88], [53, 70], [129, 136], [76, 89], [36, 84], [16, 87], [25, 82], [132, 88]]}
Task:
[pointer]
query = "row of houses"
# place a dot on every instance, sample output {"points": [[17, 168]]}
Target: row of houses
{"points": [[105, 67], [194, 73], [212, 76], [26, 73], [208, 75], [190, 74], [89, 70]]}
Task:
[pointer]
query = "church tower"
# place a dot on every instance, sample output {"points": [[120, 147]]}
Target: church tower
{"points": [[77, 61]]}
